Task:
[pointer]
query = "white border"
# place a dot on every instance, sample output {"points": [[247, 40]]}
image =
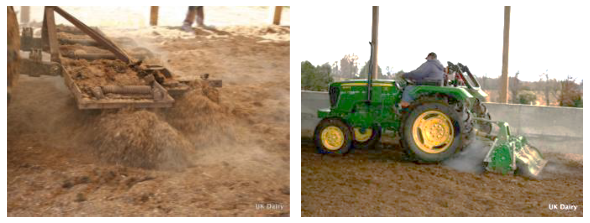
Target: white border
{"points": [[297, 12]]}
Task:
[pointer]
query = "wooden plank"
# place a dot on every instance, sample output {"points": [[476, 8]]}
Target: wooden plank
{"points": [[73, 88], [154, 15], [86, 103], [51, 33], [504, 80]]}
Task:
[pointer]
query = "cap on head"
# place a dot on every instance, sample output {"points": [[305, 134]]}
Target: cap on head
{"points": [[431, 54]]}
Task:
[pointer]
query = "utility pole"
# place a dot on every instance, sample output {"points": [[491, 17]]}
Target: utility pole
{"points": [[504, 79], [375, 34]]}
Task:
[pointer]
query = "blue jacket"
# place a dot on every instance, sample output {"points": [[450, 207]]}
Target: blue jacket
{"points": [[429, 71]]}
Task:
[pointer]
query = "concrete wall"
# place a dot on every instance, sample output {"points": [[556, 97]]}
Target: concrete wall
{"points": [[556, 129]]}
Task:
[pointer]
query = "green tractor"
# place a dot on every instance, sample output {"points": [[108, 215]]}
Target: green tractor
{"points": [[441, 121]]}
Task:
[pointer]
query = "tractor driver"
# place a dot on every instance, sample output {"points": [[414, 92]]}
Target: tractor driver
{"points": [[430, 72]]}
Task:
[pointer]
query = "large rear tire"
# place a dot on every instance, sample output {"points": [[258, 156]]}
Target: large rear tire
{"points": [[435, 130], [481, 111], [333, 136]]}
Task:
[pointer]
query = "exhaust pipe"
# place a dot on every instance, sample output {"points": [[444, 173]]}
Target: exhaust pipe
{"points": [[370, 76]]}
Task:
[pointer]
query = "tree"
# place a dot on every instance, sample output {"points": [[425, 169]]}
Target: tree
{"points": [[315, 78], [349, 66], [335, 69], [570, 94], [365, 70], [526, 97], [484, 81], [388, 73], [551, 88], [514, 87], [389, 70]]}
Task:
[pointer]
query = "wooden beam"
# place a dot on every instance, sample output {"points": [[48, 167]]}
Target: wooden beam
{"points": [[95, 35], [504, 80], [44, 39], [25, 14], [276, 15], [154, 15], [51, 34]]}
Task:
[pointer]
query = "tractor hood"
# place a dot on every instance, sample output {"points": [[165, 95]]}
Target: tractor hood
{"points": [[363, 82]]}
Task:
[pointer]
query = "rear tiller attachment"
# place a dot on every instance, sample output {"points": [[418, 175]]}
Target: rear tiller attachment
{"points": [[512, 154]]}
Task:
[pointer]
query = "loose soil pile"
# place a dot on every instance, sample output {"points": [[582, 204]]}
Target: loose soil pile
{"points": [[199, 111], [141, 139], [77, 49], [382, 182], [96, 73]]}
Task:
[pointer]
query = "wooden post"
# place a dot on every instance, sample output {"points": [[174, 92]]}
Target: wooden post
{"points": [[25, 14], [276, 14], [374, 39], [154, 15], [504, 80], [50, 34]]}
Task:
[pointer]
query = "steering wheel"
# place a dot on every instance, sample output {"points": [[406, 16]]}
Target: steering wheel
{"points": [[408, 81], [401, 82]]}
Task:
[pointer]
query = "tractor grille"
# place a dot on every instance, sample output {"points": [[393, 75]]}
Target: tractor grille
{"points": [[334, 93]]}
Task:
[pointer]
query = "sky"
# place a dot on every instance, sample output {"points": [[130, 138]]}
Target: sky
{"points": [[552, 39]]}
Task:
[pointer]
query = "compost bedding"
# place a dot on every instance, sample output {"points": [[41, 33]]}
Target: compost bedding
{"points": [[215, 153], [382, 182]]}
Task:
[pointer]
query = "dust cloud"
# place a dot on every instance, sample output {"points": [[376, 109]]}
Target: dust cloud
{"points": [[471, 158]]}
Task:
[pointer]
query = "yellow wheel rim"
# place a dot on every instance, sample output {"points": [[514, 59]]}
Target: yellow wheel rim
{"points": [[332, 138], [433, 132], [360, 137]]}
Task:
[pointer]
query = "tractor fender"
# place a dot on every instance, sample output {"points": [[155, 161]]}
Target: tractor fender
{"points": [[323, 113], [460, 94]]}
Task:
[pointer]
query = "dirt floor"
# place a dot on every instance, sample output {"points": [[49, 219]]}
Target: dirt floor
{"points": [[381, 182], [216, 153]]}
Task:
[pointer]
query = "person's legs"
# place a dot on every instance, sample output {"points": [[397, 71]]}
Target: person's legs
{"points": [[406, 98], [188, 21], [200, 16]]}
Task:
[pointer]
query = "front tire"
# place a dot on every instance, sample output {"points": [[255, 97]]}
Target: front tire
{"points": [[368, 139], [333, 136]]}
